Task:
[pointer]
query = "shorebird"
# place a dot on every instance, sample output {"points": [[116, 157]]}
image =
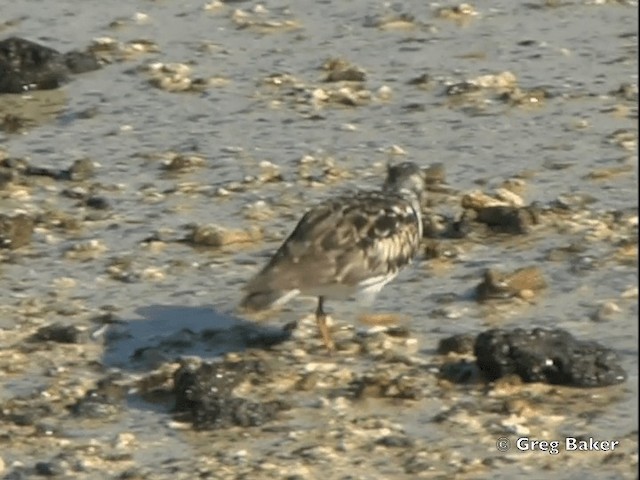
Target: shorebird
{"points": [[348, 246]]}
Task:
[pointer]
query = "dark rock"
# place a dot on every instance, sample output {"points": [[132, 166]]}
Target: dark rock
{"points": [[574, 201], [550, 356], [16, 231], [443, 226], [351, 74], [97, 202], [26, 65], [80, 62], [60, 334], [395, 441], [413, 107], [508, 219], [82, 169], [342, 71], [382, 383], [422, 80], [103, 401], [463, 371], [627, 91], [204, 395], [524, 283], [25, 411], [136, 473], [461, 344], [18, 473], [6, 177], [48, 469], [16, 165], [462, 88]]}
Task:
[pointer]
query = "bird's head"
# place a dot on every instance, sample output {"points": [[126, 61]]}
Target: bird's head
{"points": [[405, 178]]}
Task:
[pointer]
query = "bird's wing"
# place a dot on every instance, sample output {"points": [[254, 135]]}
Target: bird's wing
{"points": [[345, 240]]}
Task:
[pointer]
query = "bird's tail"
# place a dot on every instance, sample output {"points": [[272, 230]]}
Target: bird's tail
{"points": [[263, 299]]}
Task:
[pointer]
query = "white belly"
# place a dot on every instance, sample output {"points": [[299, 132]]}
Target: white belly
{"points": [[364, 292]]}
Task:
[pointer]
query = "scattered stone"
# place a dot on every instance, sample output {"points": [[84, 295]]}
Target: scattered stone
{"points": [[59, 333], [339, 70], [438, 226], [606, 173], [477, 200], [109, 50], [383, 383], [462, 88], [395, 441], [124, 440], [506, 219], [384, 93], [258, 211], [97, 202], [607, 311], [15, 231], [574, 201], [532, 96], [498, 81], [103, 401], [461, 344], [550, 356], [424, 81], [216, 236], [258, 21], [182, 162], [524, 283], [49, 469], [122, 269], [82, 169], [624, 138], [87, 250], [26, 65], [457, 12], [403, 21], [501, 82], [175, 77], [627, 91], [566, 252]]}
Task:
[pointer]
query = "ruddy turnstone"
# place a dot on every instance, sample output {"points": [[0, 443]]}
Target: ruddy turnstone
{"points": [[348, 246]]}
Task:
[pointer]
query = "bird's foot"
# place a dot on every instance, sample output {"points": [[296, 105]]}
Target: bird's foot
{"points": [[326, 334]]}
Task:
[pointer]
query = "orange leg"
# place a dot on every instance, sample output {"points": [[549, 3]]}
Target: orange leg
{"points": [[321, 318]]}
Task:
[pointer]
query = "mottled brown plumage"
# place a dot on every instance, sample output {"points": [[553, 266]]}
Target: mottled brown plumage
{"points": [[347, 246]]}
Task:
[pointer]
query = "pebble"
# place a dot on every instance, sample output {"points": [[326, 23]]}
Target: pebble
{"points": [[607, 311], [124, 440], [217, 236]]}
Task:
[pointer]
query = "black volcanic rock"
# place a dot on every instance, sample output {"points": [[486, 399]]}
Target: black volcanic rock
{"points": [[26, 65], [205, 395], [552, 356]]}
